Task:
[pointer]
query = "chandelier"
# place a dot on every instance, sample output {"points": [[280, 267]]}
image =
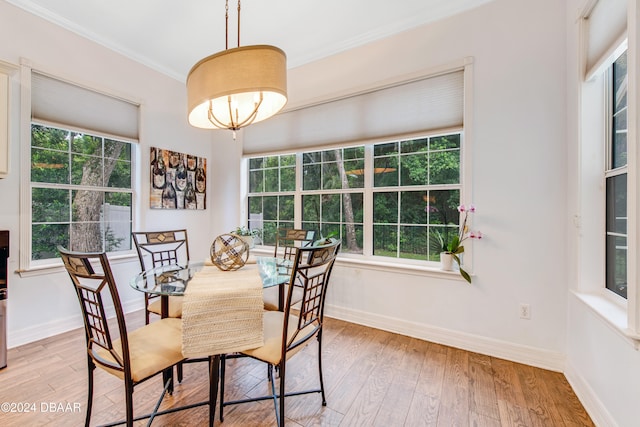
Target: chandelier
{"points": [[237, 87]]}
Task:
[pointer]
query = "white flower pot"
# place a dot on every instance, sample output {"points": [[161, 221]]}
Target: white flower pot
{"points": [[249, 240], [446, 261]]}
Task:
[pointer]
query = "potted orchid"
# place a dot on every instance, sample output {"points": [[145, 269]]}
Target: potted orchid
{"points": [[452, 247]]}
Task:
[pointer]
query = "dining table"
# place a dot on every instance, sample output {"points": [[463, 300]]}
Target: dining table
{"points": [[222, 310]]}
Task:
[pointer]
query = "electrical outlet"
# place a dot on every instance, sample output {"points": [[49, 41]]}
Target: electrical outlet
{"points": [[525, 311]]}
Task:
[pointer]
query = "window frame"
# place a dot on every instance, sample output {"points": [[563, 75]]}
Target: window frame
{"points": [[27, 266], [72, 187], [367, 257]]}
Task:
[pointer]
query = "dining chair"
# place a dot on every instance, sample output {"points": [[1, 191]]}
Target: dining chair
{"points": [[285, 333], [287, 242], [132, 356], [155, 249]]}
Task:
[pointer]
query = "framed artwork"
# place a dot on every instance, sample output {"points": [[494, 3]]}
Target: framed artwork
{"points": [[178, 180]]}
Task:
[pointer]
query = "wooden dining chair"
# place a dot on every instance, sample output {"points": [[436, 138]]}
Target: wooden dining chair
{"points": [[287, 242], [285, 333], [132, 356], [158, 248]]}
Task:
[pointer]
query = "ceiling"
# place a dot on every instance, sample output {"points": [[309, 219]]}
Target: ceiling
{"points": [[170, 36]]}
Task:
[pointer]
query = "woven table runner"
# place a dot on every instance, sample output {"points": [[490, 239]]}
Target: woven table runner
{"points": [[222, 312]]}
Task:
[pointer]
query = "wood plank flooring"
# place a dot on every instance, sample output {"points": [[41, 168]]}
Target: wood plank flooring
{"points": [[372, 378]]}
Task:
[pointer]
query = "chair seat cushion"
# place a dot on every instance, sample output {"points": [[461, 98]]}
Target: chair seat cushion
{"points": [[175, 306], [271, 351], [153, 348], [270, 296]]}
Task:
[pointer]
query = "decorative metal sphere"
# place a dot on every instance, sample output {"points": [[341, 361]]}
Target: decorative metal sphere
{"points": [[229, 252]]}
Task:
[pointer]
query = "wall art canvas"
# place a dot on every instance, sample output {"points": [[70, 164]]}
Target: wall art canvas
{"points": [[178, 180]]}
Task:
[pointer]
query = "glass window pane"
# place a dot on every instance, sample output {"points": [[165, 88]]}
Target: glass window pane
{"points": [[86, 170], [311, 207], [121, 175], [255, 205], [311, 175], [271, 180], [287, 179], [270, 212], [87, 237], [354, 169], [413, 242], [288, 160], [353, 153], [412, 209], [256, 181], [331, 208], [86, 144], [385, 171], [49, 166], [356, 202], [287, 208], [442, 207], [117, 235], [617, 204], [311, 157], [352, 238], [413, 169], [45, 137], [255, 163], [444, 142], [414, 145], [616, 266], [385, 240], [385, 149], [444, 167], [50, 205], [331, 177], [87, 205], [46, 238], [385, 207]]}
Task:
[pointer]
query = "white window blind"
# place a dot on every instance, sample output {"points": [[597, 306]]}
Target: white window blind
{"points": [[58, 102], [422, 105], [606, 30]]}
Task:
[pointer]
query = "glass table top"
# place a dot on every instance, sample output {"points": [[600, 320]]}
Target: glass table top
{"points": [[172, 279]]}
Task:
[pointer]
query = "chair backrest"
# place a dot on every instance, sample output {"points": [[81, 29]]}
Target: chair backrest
{"points": [[158, 248], [289, 239], [311, 270], [92, 287]]}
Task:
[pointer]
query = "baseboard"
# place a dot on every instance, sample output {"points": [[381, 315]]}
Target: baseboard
{"points": [[594, 406], [489, 346], [49, 329]]}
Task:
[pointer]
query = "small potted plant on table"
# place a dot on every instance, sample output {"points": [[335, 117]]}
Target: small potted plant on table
{"points": [[248, 235]]}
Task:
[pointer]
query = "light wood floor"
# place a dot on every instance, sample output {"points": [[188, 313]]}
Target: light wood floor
{"points": [[372, 378]]}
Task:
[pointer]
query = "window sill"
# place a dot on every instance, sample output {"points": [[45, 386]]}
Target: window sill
{"points": [[395, 267], [612, 312], [57, 266]]}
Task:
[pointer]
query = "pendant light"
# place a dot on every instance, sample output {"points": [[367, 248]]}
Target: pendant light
{"points": [[237, 87]]}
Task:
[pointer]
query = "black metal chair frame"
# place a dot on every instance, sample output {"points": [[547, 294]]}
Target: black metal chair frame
{"points": [[289, 239], [161, 248], [80, 267], [312, 268]]}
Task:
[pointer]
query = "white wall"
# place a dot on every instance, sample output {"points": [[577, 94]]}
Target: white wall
{"points": [[518, 184], [603, 366], [46, 304]]}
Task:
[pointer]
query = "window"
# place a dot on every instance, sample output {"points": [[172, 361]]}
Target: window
{"points": [[616, 178], [81, 192], [332, 195], [390, 199], [272, 183], [78, 189]]}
